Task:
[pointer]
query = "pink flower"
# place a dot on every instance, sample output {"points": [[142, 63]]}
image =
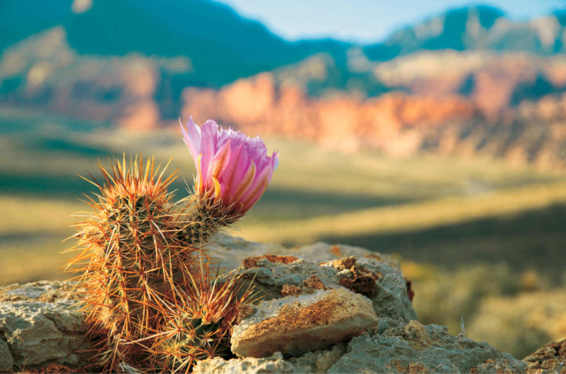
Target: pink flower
{"points": [[231, 167]]}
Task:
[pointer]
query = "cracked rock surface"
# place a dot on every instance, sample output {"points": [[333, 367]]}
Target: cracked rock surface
{"points": [[39, 324]]}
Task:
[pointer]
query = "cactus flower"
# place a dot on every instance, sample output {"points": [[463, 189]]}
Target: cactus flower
{"points": [[232, 168]]}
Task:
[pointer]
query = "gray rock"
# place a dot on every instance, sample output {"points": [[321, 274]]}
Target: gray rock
{"points": [[390, 299], [298, 324], [268, 365], [379, 279], [40, 323], [231, 251], [422, 349], [316, 362], [275, 276]]}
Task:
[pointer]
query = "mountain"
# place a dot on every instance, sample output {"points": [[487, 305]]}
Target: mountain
{"points": [[22, 19], [221, 45], [474, 28]]}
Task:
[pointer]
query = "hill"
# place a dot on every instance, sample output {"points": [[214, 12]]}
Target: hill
{"points": [[474, 28], [221, 45]]}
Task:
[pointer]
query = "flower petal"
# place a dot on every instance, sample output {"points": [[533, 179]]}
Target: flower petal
{"points": [[240, 170], [227, 178], [192, 137], [256, 193], [260, 175], [232, 168], [208, 145], [245, 183], [220, 161]]}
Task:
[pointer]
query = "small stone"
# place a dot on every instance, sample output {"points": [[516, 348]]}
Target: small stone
{"points": [[314, 282], [295, 325]]}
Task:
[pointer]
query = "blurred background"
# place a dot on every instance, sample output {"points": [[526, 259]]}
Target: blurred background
{"points": [[431, 130]]}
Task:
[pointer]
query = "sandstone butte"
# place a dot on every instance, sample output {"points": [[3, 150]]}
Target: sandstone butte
{"points": [[325, 309]]}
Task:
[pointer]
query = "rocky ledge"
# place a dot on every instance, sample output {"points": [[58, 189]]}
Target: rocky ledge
{"points": [[324, 309]]}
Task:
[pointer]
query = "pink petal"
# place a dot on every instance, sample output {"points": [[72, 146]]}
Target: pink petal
{"points": [[208, 146], [240, 169], [227, 177], [220, 162], [262, 175], [192, 137], [257, 193], [245, 183]]}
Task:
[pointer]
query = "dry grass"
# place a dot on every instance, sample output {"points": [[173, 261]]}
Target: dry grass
{"points": [[408, 217]]}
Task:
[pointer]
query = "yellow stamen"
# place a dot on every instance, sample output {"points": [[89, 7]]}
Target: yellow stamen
{"points": [[217, 188], [199, 185]]}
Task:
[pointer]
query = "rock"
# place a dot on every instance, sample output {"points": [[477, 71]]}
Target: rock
{"points": [[550, 358], [378, 279], [317, 362], [276, 276], [269, 365], [395, 347], [325, 309], [306, 305], [390, 298], [41, 324], [297, 324], [415, 348]]}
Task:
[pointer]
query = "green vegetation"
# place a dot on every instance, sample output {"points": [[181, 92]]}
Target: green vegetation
{"points": [[472, 234]]}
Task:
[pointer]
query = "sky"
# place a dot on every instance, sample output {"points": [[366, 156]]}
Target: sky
{"points": [[364, 20]]}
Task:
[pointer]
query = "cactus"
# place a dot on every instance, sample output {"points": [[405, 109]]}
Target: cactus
{"points": [[130, 258], [150, 297]]}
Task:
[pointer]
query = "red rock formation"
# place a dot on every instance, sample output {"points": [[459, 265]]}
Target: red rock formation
{"points": [[258, 106]]}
